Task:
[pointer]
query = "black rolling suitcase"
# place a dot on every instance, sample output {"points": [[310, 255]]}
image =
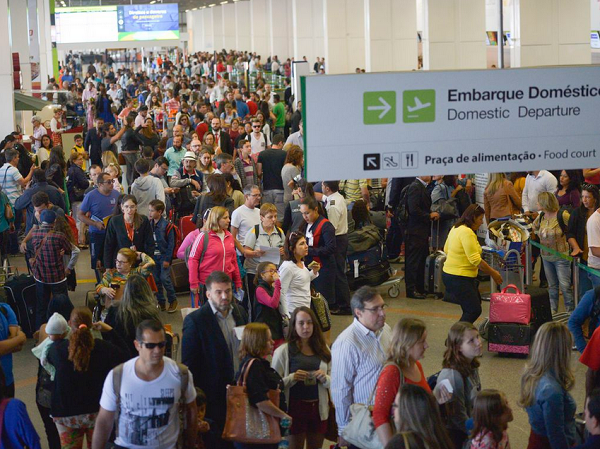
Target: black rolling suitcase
{"points": [[21, 297], [541, 312], [510, 338], [369, 267]]}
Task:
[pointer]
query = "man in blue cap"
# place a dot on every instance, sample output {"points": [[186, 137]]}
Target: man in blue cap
{"points": [[48, 264]]}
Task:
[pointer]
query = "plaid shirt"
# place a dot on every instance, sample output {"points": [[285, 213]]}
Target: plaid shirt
{"points": [[49, 264]]}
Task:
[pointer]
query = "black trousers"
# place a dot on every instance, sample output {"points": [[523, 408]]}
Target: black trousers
{"points": [[49, 427], [342, 291], [463, 291], [44, 293], [416, 249], [393, 239]]}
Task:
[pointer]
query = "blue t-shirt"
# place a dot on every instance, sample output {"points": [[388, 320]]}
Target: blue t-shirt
{"points": [[7, 320], [99, 206]]}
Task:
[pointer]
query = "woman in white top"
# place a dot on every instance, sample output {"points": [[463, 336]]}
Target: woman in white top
{"points": [[294, 276]]}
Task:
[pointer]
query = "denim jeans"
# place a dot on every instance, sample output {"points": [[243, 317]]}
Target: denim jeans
{"points": [[162, 277], [595, 280], [558, 273]]}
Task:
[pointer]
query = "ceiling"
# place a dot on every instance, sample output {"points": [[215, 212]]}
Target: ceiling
{"points": [[183, 4]]}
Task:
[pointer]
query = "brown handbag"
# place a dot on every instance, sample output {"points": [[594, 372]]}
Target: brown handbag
{"points": [[246, 423]]}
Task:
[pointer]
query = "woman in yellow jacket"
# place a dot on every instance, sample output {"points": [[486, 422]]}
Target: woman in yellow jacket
{"points": [[463, 261]]}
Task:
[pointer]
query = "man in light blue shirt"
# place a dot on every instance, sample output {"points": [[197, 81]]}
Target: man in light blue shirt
{"points": [[175, 155], [358, 355]]}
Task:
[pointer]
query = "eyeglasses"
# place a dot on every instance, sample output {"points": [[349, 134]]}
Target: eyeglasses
{"points": [[269, 271], [377, 309], [160, 344], [256, 195], [120, 262]]}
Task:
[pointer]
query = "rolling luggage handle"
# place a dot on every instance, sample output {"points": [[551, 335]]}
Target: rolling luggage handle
{"points": [[431, 248]]}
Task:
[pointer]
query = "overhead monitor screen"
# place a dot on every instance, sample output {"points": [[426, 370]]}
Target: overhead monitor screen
{"points": [[148, 22], [117, 23]]}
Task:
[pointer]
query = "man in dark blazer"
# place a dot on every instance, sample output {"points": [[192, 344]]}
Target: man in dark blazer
{"points": [[416, 244], [210, 347], [221, 137], [93, 141]]}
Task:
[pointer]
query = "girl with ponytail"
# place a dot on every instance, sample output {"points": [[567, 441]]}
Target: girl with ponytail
{"points": [[82, 363]]}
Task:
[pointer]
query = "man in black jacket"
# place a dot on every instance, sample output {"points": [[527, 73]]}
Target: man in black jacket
{"points": [[93, 140], [210, 347], [222, 138], [417, 236], [395, 235]]}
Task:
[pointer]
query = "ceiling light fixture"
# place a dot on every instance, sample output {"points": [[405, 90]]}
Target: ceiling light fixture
{"points": [[212, 4], [153, 2], [224, 3]]}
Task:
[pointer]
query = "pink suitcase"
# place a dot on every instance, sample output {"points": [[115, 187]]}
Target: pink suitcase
{"points": [[508, 307]]}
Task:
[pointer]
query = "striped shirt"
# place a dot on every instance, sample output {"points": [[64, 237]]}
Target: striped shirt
{"points": [[9, 177], [352, 189], [357, 357]]}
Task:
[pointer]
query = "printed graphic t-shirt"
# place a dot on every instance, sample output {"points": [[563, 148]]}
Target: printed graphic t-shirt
{"points": [[149, 415]]}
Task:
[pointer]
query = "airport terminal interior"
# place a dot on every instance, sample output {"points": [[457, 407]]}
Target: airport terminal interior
{"points": [[204, 87]]}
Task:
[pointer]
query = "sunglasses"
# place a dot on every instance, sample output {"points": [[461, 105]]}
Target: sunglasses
{"points": [[160, 344]]}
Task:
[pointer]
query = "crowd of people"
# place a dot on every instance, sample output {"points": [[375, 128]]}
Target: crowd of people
{"points": [[213, 181]]}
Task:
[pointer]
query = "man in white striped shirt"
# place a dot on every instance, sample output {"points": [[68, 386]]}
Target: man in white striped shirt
{"points": [[358, 355]]}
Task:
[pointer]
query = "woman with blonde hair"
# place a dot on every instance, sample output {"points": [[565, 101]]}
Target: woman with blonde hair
{"points": [[551, 228], [137, 304], [408, 346], [220, 254], [255, 347], [500, 198], [545, 385]]}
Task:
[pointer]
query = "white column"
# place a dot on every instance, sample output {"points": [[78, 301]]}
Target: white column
{"points": [[279, 38], [19, 30], [242, 26], [308, 30], [228, 18], [218, 26], [454, 34], [7, 113], [209, 33], [258, 28], [390, 35], [344, 35], [46, 66], [551, 32]]}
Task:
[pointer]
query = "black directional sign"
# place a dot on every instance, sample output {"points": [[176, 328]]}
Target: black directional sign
{"points": [[372, 161]]}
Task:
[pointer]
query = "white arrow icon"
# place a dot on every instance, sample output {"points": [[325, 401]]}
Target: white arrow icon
{"points": [[372, 161], [384, 108]]}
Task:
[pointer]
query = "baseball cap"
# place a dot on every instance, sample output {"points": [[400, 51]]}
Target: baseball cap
{"points": [[48, 216]]}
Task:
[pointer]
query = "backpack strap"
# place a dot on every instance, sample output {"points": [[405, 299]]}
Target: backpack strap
{"points": [[183, 422], [117, 378], [561, 221]]}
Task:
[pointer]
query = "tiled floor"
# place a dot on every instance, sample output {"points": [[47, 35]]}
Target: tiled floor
{"points": [[496, 372]]}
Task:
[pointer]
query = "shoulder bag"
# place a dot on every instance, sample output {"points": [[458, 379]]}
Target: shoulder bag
{"points": [[360, 431], [446, 207], [245, 423], [318, 304], [37, 253]]}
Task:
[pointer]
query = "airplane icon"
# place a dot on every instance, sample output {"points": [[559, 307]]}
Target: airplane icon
{"points": [[418, 105]]}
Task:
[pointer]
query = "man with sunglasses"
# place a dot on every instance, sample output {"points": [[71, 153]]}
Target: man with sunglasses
{"points": [[258, 139], [144, 396], [209, 347]]}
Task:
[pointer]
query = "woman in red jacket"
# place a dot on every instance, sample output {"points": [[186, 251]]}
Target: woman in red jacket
{"points": [[220, 252]]}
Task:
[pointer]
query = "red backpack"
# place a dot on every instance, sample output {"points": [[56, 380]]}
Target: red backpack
{"points": [[73, 226], [178, 238]]}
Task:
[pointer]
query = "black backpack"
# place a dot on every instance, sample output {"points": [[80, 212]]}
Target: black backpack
{"points": [[401, 210]]}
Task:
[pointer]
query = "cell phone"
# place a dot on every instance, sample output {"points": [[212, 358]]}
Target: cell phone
{"points": [[114, 286]]}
